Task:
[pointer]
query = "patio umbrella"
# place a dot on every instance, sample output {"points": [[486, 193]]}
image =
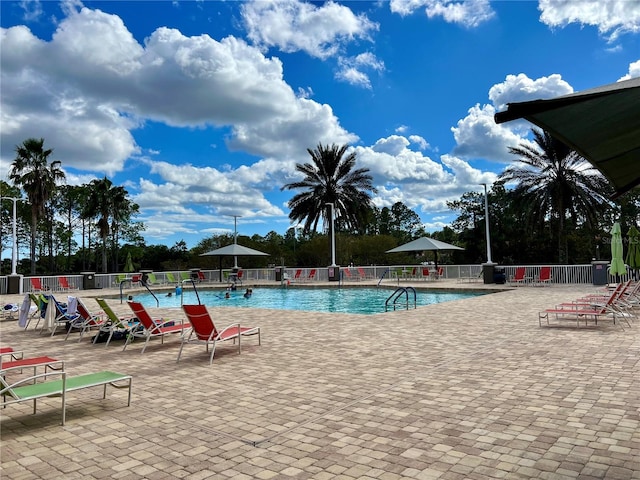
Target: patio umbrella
{"points": [[425, 243], [633, 251], [617, 264], [128, 264], [233, 250]]}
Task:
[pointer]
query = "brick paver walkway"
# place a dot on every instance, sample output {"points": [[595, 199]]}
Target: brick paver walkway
{"points": [[470, 389]]}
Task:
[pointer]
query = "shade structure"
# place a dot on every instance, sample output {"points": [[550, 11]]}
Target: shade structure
{"points": [[235, 250], [128, 264], [423, 244], [602, 124], [617, 264], [633, 250]]}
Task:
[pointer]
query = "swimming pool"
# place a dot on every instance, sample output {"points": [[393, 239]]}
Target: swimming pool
{"points": [[365, 301]]}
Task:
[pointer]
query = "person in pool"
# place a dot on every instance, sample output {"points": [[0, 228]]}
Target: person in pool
{"points": [[227, 295], [247, 294]]}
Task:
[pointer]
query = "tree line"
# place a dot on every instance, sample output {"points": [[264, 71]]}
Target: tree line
{"points": [[549, 206]]}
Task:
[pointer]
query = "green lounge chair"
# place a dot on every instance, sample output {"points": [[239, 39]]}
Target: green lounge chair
{"points": [[29, 388], [171, 278], [115, 323]]}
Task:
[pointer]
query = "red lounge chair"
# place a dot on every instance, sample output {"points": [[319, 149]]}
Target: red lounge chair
{"points": [[298, 275], [86, 321], [362, 273], [581, 311], [10, 351], [204, 331], [33, 362], [347, 274], [64, 284], [36, 284], [519, 277], [150, 327], [311, 276], [544, 277]]}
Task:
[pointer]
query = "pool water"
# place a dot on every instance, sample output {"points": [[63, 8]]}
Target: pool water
{"points": [[342, 300]]}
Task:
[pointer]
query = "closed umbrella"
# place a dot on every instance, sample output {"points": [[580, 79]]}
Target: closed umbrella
{"points": [[128, 264], [617, 264], [633, 251]]}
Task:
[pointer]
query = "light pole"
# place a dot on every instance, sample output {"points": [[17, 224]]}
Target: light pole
{"points": [[486, 224], [235, 238], [14, 236], [333, 236]]}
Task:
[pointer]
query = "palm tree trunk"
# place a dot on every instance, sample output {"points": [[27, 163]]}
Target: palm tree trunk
{"points": [[34, 226]]}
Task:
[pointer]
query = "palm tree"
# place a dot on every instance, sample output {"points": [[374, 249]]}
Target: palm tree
{"points": [[331, 178], [555, 182], [32, 172], [100, 205]]}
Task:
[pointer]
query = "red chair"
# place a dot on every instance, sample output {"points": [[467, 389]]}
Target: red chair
{"points": [[36, 284], [520, 276], [150, 327], [64, 284], [544, 277], [204, 331], [86, 321]]}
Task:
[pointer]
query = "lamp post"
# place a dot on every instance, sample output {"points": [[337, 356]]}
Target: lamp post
{"points": [[14, 236], [235, 238], [486, 223], [333, 236]]}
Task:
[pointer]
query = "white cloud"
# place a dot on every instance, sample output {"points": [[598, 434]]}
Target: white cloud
{"points": [[351, 69], [87, 88], [612, 17], [420, 141], [521, 88], [292, 26], [478, 136], [634, 71], [468, 13]]}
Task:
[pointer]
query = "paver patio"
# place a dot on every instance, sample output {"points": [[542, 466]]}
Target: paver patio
{"points": [[469, 389]]}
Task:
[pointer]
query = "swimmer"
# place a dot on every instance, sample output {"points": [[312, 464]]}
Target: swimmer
{"points": [[169, 294], [247, 294], [130, 298], [227, 295]]}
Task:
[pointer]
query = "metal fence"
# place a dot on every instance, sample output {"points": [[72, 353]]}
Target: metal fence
{"points": [[561, 274]]}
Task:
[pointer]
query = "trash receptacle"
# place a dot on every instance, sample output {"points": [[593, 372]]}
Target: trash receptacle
{"points": [[88, 280], [499, 276], [195, 274], [599, 272], [14, 284], [278, 274], [334, 274], [487, 272]]}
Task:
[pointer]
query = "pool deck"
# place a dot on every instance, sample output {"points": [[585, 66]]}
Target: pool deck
{"points": [[468, 389]]}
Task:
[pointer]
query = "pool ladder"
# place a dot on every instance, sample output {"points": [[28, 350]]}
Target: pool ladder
{"points": [[400, 298]]}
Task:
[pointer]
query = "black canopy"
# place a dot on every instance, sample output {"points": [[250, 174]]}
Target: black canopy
{"points": [[602, 124]]}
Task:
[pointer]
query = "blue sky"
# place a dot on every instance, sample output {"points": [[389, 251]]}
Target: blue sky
{"points": [[201, 109]]}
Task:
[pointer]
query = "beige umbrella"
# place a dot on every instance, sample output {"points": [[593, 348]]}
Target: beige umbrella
{"points": [[233, 250], [425, 243]]}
